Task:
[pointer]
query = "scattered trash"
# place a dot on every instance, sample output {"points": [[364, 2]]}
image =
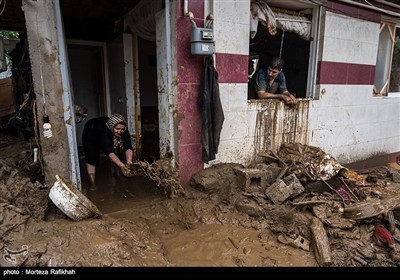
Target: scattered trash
{"points": [[371, 208], [383, 236], [322, 249], [281, 190], [297, 242]]}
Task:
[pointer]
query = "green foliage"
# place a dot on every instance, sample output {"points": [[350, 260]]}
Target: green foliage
{"points": [[10, 35]]}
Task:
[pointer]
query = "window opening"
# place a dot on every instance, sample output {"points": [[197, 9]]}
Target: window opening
{"points": [[387, 71], [394, 84], [287, 34]]}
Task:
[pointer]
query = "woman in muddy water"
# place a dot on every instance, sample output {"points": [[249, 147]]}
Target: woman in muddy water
{"points": [[109, 135]]}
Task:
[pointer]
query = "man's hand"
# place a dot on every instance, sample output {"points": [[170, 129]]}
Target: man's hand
{"points": [[289, 99]]}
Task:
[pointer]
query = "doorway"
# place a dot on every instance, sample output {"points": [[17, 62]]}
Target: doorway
{"points": [[87, 74], [148, 100]]}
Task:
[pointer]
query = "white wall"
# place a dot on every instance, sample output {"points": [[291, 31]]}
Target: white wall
{"points": [[347, 121], [231, 33], [349, 40], [231, 26]]}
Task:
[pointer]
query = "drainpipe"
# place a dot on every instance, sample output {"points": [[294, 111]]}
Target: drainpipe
{"points": [[371, 7]]}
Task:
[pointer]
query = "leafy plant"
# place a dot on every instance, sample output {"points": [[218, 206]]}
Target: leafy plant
{"points": [[10, 35]]}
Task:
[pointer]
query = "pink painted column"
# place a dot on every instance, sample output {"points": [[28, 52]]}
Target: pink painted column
{"points": [[190, 73]]}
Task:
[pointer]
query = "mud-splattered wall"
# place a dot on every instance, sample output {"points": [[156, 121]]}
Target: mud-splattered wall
{"points": [[46, 73], [277, 123]]}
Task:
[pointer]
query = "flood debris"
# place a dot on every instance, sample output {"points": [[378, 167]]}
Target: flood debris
{"points": [[297, 241], [317, 211], [371, 208], [161, 172], [281, 190], [321, 245], [303, 192]]}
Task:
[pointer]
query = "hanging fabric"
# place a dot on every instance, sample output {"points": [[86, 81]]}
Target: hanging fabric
{"points": [[141, 19], [296, 22], [211, 111], [260, 11]]}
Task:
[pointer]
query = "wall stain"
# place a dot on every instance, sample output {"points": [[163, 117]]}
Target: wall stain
{"points": [[277, 123]]}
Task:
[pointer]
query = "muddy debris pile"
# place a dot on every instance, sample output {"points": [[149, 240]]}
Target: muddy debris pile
{"points": [[311, 202], [35, 233], [21, 182], [161, 172]]}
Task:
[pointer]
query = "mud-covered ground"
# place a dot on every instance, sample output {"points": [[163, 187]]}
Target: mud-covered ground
{"points": [[213, 223]]}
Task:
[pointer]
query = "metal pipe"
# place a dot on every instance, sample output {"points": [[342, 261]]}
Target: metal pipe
{"points": [[169, 83], [188, 14], [293, 20], [388, 3], [185, 8], [371, 7]]}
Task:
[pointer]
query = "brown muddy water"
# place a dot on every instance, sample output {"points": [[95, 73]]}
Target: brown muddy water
{"points": [[192, 231]]}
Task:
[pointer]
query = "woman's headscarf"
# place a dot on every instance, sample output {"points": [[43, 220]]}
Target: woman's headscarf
{"points": [[111, 123]]}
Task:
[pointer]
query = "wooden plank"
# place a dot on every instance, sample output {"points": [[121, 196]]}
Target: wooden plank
{"points": [[322, 249]]}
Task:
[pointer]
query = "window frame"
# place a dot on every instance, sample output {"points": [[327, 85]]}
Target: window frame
{"points": [[311, 80], [396, 37], [386, 75]]}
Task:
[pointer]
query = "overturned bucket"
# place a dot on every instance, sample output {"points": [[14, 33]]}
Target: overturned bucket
{"points": [[71, 201]]}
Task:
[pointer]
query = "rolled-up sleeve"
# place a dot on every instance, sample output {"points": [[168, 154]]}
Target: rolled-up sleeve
{"points": [[282, 82], [261, 80]]}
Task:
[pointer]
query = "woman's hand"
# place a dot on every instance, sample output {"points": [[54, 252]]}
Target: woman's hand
{"points": [[125, 170]]}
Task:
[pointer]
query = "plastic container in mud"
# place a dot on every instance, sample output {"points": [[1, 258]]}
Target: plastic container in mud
{"points": [[71, 201]]}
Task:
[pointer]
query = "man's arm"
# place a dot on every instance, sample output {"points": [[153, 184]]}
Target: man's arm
{"points": [[267, 95], [292, 98], [281, 79]]}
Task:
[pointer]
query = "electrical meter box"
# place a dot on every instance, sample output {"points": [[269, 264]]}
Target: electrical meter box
{"points": [[201, 41]]}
